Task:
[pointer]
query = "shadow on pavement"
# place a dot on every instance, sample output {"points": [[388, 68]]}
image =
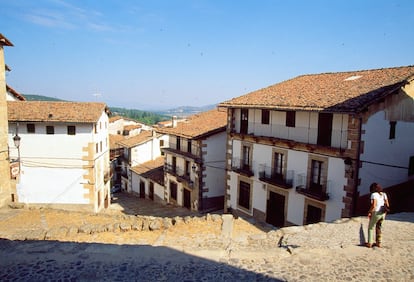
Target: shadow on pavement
{"points": [[68, 261]]}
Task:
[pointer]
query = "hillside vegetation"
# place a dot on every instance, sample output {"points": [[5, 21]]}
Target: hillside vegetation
{"points": [[149, 118]]}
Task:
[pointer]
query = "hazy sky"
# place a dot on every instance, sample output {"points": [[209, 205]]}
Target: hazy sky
{"points": [[157, 54]]}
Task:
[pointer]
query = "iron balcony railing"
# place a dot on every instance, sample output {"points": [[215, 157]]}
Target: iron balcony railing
{"points": [[193, 150], [240, 166], [180, 174], [312, 190], [284, 180]]}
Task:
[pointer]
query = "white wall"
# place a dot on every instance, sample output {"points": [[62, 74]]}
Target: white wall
{"points": [[51, 186], [53, 166], [214, 161], [379, 149], [297, 162], [305, 130]]}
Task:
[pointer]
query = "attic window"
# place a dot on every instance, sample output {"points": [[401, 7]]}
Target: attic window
{"points": [[353, 77]]}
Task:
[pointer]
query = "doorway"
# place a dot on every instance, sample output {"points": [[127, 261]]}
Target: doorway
{"points": [[313, 215], [187, 199], [325, 129], [142, 189], [244, 121], [275, 211], [151, 191]]}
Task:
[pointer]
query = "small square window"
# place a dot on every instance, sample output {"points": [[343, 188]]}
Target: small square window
{"points": [[30, 128], [71, 130], [50, 129]]}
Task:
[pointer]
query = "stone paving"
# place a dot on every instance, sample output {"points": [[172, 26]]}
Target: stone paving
{"points": [[227, 250]]}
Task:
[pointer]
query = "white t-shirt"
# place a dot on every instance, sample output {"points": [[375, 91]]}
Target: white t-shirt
{"points": [[380, 200]]}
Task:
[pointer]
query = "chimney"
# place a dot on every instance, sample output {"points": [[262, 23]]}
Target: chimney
{"points": [[174, 121]]}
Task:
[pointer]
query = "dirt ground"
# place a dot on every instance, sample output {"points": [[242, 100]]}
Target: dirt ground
{"points": [[17, 221]]}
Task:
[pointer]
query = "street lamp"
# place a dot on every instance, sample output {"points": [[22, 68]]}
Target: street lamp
{"points": [[16, 140]]}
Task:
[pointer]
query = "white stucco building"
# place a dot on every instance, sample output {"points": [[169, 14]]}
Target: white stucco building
{"points": [[147, 180], [63, 153], [303, 150], [137, 150], [195, 161]]}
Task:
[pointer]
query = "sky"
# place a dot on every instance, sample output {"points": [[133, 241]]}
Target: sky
{"points": [[161, 54]]}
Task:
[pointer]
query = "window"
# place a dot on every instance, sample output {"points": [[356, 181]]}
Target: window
{"points": [[50, 129], [246, 158], [324, 129], [187, 168], [161, 143], [393, 125], [174, 164], [178, 143], [173, 190], [30, 128], [265, 116], [189, 146], [316, 176], [71, 130], [244, 121], [411, 166], [244, 195], [100, 146], [278, 165], [290, 118], [96, 148]]}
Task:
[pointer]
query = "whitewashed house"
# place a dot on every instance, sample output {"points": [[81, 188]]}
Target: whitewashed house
{"points": [[303, 150], [195, 161], [147, 180], [119, 125], [63, 153], [137, 150]]}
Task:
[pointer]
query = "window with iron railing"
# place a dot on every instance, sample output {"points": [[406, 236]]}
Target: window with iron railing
{"points": [[279, 178], [317, 191], [241, 166]]}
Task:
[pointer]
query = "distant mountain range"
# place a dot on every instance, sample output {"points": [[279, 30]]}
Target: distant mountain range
{"points": [[180, 112], [184, 111], [32, 97]]}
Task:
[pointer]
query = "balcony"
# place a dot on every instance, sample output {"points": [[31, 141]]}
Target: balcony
{"points": [[180, 174], [280, 180], [193, 152], [314, 191], [297, 134], [238, 165]]}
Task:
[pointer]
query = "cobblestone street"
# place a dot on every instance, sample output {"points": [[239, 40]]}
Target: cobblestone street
{"points": [[122, 244]]}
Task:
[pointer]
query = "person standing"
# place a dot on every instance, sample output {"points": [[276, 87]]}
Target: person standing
{"points": [[376, 214]]}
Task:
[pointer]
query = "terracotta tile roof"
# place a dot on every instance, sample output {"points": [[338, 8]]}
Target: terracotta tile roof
{"points": [[199, 125], [79, 112], [132, 127], [114, 139], [114, 118], [153, 170], [143, 137], [15, 93], [336, 92]]}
